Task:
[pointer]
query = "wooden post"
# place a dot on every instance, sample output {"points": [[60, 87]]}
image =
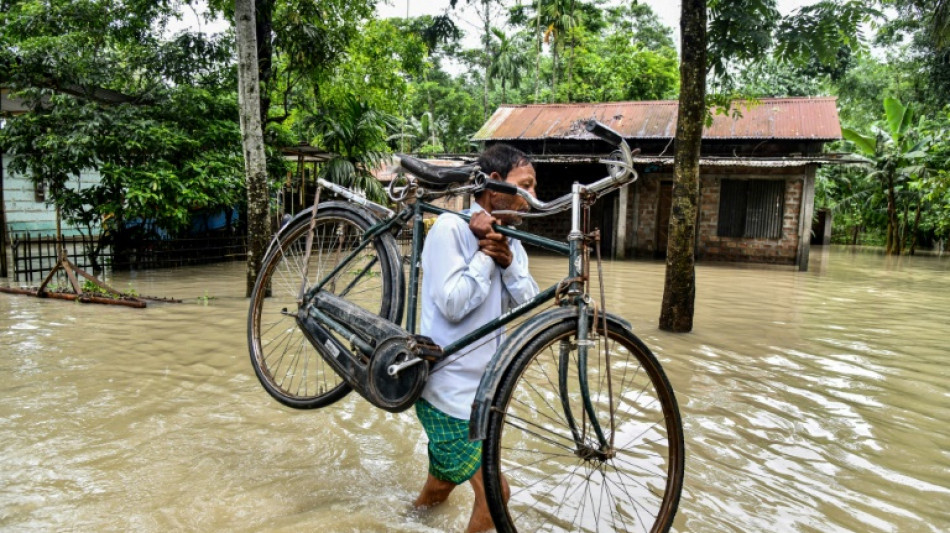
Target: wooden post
{"points": [[805, 214]]}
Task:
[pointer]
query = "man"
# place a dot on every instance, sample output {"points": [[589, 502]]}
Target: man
{"points": [[471, 275]]}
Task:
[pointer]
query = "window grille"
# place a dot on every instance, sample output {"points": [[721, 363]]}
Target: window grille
{"points": [[751, 208]]}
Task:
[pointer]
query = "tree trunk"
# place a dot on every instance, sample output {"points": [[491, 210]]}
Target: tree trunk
{"points": [[913, 235], [904, 229], [893, 241], [537, 58], [486, 20], [679, 289], [252, 134], [570, 71], [263, 28]]}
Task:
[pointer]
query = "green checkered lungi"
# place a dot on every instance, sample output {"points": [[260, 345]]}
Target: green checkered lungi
{"points": [[452, 457]]}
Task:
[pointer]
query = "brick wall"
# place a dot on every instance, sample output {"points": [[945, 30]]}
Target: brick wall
{"points": [[711, 247], [648, 191], [782, 250]]}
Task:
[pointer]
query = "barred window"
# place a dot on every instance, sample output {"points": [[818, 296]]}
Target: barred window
{"points": [[751, 208]]}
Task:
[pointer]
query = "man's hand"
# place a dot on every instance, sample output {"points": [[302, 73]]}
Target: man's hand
{"points": [[480, 224], [495, 245]]}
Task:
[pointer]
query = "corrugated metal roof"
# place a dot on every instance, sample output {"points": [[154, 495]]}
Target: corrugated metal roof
{"points": [[768, 118], [667, 161]]}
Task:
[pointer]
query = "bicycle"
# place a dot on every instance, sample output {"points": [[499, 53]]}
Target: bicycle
{"points": [[574, 409]]}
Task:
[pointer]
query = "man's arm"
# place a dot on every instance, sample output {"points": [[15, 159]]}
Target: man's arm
{"points": [[458, 285], [518, 282]]}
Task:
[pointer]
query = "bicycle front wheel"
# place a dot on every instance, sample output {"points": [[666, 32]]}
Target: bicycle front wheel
{"points": [[287, 365], [561, 476]]}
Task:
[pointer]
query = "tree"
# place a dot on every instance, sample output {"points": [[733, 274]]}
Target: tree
{"points": [[897, 153], [252, 135], [507, 61], [297, 44], [922, 31], [679, 288], [110, 93], [741, 32], [357, 134], [617, 66]]}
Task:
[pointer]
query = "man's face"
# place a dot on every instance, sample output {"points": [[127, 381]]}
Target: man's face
{"points": [[524, 177]]}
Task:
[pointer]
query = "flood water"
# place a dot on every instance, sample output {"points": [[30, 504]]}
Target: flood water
{"points": [[816, 401]]}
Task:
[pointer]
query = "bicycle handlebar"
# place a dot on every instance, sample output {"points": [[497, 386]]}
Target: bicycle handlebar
{"points": [[604, 132], [621, 173]]}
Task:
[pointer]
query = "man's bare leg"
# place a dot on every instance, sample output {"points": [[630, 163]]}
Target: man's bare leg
{"points": [[481, 517], [434, 492]]}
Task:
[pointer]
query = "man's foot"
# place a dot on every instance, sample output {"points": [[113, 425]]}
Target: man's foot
{"points": [[434, 492], [481, 518]]}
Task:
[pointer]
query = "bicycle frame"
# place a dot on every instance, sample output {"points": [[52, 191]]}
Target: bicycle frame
{"points": [[574, 249]]}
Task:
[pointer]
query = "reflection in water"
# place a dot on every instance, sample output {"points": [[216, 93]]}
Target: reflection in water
{"points": [[812, 401]]}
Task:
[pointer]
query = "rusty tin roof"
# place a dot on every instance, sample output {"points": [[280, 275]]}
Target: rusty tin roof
{"points": [[769, 118]]}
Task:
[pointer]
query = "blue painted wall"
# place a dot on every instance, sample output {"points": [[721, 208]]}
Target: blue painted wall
{"points": [[24, 213]]}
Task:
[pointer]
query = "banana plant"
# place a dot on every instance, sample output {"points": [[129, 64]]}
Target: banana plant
{"points": [[898, 155]]}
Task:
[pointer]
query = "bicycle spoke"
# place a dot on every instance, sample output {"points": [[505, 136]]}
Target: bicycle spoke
{"points": [[593, 489], [635, 501], [614, 504], [549, 490], [290, 368], [538, 435]]}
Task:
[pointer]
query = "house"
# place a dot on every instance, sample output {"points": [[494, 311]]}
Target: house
{"points": [[757, 173]]}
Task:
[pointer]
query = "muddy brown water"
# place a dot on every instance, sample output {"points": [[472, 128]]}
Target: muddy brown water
{"points": [[815, 401]]}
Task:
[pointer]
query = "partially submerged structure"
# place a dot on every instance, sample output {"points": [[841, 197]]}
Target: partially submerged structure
{"points": [[757, 173]]}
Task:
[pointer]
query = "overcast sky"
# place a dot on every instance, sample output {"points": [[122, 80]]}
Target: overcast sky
{"points": [[667, 10]]}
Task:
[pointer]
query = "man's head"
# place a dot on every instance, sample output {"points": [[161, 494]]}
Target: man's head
{"points": [[505, 163]]}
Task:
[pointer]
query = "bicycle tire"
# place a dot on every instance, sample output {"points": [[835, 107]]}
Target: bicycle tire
{"points": [[554, 488], [287, 365]]}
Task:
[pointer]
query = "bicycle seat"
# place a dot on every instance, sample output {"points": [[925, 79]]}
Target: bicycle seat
{"points": [[434, 175]]}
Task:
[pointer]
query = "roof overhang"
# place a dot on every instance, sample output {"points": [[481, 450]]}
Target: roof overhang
{"points": [[759, 162], [776, 119], [307, 153]]}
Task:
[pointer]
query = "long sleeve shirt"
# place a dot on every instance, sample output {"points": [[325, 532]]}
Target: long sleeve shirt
{"points": [[462, 289]]}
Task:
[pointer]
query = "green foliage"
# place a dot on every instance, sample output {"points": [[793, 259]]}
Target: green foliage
{"points": [[909, 164], [93, 288], [154, 115], [356, 133], [739, 31], [615, 67], [822, 29]]}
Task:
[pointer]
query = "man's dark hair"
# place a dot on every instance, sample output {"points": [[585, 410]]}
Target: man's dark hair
{"points": [[501, 158]]}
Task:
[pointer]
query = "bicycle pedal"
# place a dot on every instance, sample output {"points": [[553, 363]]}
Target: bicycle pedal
{"points": [[427, 349]]}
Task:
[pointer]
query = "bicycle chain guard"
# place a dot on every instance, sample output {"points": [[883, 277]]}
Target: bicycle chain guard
{"points": [[394, 393], [390, 344]]}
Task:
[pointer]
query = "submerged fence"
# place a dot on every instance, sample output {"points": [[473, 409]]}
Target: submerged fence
{"points": [[35, 255]]}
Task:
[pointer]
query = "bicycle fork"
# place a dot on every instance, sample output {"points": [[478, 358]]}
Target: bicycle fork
{"points": [[578, 267]]}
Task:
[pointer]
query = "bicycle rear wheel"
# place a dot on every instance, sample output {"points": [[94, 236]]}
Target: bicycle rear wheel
{"points": [[287, 365], [558, 485]]}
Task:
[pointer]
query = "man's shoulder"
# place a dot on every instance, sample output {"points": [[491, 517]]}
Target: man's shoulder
{"points": [[451, 222]]}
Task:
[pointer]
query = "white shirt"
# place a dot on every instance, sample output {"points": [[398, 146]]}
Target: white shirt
{"points": [[462, 289]]}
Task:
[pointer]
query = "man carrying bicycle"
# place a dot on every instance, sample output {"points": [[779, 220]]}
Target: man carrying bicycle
{"points": [[472, 275]]}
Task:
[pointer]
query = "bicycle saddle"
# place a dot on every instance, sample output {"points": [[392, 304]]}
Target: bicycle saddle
{"points": [[435, 175]]}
